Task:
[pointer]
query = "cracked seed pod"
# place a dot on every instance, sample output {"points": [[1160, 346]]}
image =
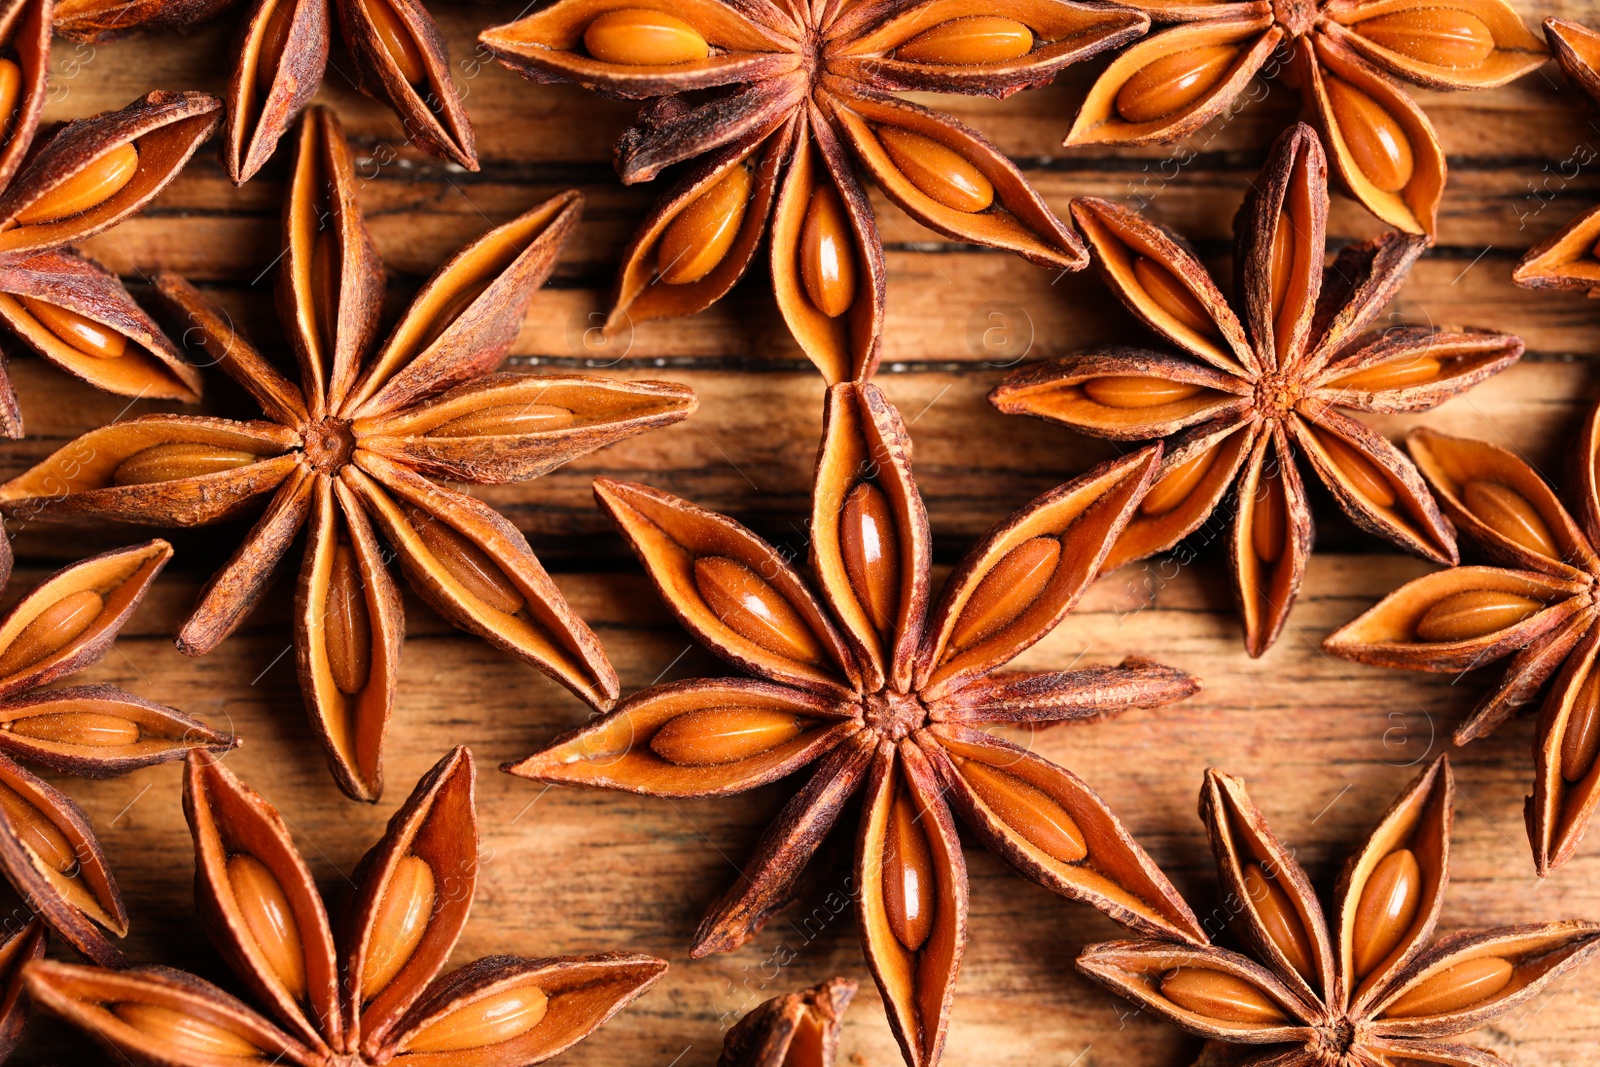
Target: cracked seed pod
{"points": [[801, 110], [859, 674], [351, 452], [1370, 990], [366, 994], [795, 1030], [106, 20], [1347, 58], [1259, 387]]}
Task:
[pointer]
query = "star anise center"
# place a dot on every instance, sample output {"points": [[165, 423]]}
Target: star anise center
{"points": [[1295, 16], [329, 444], [894, 715], [1276, 394], [1336, 1038]]}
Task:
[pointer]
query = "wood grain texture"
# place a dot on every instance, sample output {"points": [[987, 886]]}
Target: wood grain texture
{"points": [[1325, 745]]}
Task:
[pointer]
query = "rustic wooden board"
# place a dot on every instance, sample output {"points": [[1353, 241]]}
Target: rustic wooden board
{"points": [[1324, 744]]}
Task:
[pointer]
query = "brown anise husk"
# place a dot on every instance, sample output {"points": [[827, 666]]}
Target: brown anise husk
{"points": [[105, 20], [1370, 989], [795, 1030], [20, 944]]}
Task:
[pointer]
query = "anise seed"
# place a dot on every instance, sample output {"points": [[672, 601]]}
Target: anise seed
{"points": [[699, 238], [827, 256], [1511, 515], [1174, 487], [274, 36], [498, 1017], [870, 546], [86, 729], [1395, 375], [52, 630], [1269, 520], [506, 420], [466, 562], [10, 95], [1441, 36], [75, 331], [1387, 908], [103, 178], [1581, 741], [939, 171], [638, 37], [1364, 476], [347, 625], [1467, 983], [1284, 246], [37, 833], [1279, 918], [326, 259], [270, 920], [179, 1030], [908, 881], [1029, 810], [1008, 590], [969, 41], [1175, 298], [1173, 82], [1378, 145], [712, 737], [402, 918], [1219, 995], [748, 605], [1474, 613], [395, 37], [179, 459], [1131, 391]]}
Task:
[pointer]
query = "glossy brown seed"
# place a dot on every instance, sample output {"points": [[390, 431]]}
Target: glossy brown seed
{"points": [[1284, 243], [1474, 613], [749, 606], [827, 262], [699, 238], [968, 41], [51, 630], [1387, 908], [1467, 983], [1132, 392], [467, 563], [1163, 286], [499, 1017], [395, 38], [1007, 591], [1581, 741], [638, 37], [96, 183], [908, 882], [401, 920], [1357, 471], [937, 170], [180, 459], [1218, 995], [1442, 36], [1176, 484], [1511, 515], [1269, 523], [506, 420], [1028, 810], [10, 95], [75, 331], [1395, 375], [712, 737], [37, 833], [1378, 146], [274, 36], [347, 626], [1173, 82], [87, 729], [270, 920], [170, 1028], [1277, 914], [871, 550]]}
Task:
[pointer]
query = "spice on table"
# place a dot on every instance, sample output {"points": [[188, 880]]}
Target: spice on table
{"points": [[795, 1030]]}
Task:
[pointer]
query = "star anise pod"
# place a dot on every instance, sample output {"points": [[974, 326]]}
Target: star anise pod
{"points": [[355, 451], [1253, 387], [48, 849], [885, 696], [1370, 992], [803, 95], [366, 994], [106, 20], [1345, 57], [796, 1030], [21, 944], [1539, 607]]}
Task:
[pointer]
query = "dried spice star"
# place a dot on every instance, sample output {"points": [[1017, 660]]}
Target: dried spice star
{"points": [[796, 1030], [357, 450], [802, 96], [1253, 387], [1370, 992], [1345, 59], [366, 994], [886, 697], [1538, 607]]}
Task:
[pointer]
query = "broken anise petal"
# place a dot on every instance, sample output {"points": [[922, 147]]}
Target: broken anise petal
{"points": [[795, 1030], [96, 731]]}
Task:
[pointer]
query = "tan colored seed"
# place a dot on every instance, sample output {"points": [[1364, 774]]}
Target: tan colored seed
{"points": [[75, 331], [1028, 810], [38, 834], [1173, 82], [1172, 296], [1387, 908], [937, 170], [180, 459], [467, 563], [1219, 995], [1474, 613], [1284, 245], [908, 882], [270, 920], [1131, 391], [496, 1018], [274, 36], [748, 605], [52, 630], [1359, 473], [347, 624], [871, 549], [967, 41], [1378, 145], [84, 729], [699, 238], [506, 420], [178, 1030], [10, 95], [1269, 519], [394, 36], [827, 257], [1177, 483], [1278, 915], [637, 37], [402, 918], [1581, 741], [103, 178], [1396, 375], [713, 737], [1007, 591], [1511, 515], [1441, 36], [1467, 983]]}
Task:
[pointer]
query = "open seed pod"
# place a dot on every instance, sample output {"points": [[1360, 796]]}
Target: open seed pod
{"points": [[24, 68], [282, 49], [98, 731], [105, 20], [795, 1030], [1462, 44], [21, 944], [1577, 52], [1414, 368]]}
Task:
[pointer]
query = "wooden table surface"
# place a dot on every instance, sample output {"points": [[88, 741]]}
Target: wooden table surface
{"points": [[1324, 744]]}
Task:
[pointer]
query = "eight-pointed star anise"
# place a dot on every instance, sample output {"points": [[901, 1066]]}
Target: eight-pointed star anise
{"points": [[1345, 57], [884, 695], [1254, 388], [1371, 991], [802, 93], [355, 450], [1539, 606], [364, 994]]}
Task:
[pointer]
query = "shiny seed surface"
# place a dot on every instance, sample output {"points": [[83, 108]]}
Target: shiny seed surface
{"points": [[180, 459], [10, 96], [37, 833], [270, 920], [1581, 741], [1441, 36], [498, 1017], [394, 36], [1173, 82], [1359, 472], [1028, 810], [967, 41], [1269, 519], [86, 729], [637, 37], [75, 331], [506, 420], [1395, 375], [749, 606], [1284, 243], [1388, 906], [467, 563], [827, 257], [347, 626], [274, 36], [712, 737], [1279, 917], [90, 187], [908, 880], [699, 238], [1474, 613], [1176, 484], [1218, 995], [1511, 515], [180, 1031], [1467, 983], [1132, 392], [51, 630], [1007, 591], [1378, 146], [402, 918], [871, 549], [938, 170], [1175, 298]]}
